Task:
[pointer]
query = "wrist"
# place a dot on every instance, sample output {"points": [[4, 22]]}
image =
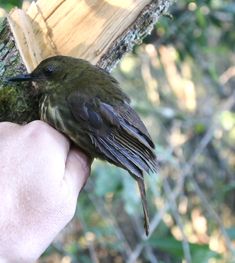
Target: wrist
{"points": [[15, 260], [14, 256]]}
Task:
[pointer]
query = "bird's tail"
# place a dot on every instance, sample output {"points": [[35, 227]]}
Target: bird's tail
{"points": [[141, 186]]}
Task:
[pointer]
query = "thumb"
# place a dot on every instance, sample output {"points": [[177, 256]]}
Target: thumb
{"points": [[77, 170]]}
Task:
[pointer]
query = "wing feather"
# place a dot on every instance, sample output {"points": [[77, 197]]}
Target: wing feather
{"points": [[117, 135], [125, 141]]}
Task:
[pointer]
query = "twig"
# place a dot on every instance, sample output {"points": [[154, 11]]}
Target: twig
{"points": [[135, 254], [153, 225], [151, 257], [213, 214], [90, 243], [227, 75], [105, 213], [179, 186], [176, 215], [148, 250]]}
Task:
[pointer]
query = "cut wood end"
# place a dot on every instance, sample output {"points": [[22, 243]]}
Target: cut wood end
{"points": [[84, 29], [98, 31], [26, 42]]}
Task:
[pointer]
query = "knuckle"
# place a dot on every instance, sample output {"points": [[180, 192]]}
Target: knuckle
{"points": [[6, 124], [8, 128], [38, 131], [37, 124]]}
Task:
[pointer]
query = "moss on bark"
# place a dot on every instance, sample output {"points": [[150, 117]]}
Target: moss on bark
{"points": [[18, 102]]}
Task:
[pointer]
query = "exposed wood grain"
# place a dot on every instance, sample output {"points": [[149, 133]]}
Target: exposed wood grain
{"points": [[101, 31], [79, 28], [90, 26]]}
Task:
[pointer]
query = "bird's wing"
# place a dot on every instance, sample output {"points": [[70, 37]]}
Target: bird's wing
{"points": [[115, 133], [132, 119], [119, 136]]}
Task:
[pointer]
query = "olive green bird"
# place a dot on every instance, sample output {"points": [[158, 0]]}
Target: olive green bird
{"points": [[86, 103]]}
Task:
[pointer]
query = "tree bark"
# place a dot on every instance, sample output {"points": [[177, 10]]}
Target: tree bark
{"points": [[18, 103], [50, 28]]}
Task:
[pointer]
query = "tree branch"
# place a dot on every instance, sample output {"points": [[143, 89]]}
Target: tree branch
{"points": [[101, 32]]}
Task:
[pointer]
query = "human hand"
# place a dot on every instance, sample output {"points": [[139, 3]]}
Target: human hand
{"points": [[40, 179]]}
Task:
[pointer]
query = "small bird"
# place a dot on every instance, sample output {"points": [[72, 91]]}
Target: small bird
{"points": [[86, 103]]}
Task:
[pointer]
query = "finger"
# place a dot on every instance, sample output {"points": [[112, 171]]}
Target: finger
{"points": [[55, 143], [77, 170], [7, 128]]}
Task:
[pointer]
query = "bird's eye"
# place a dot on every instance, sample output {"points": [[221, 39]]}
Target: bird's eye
{"points": [[48, 71]]}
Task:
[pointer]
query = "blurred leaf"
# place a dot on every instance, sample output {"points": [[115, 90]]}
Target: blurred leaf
{"points": [[170, 245], [8, 4], [73, 248], [231, 232], [84, 259], [227, 119], [107, 181], [166, 154], [200, 128], [200, 253], [201, 19], [228, 188], [130, 194]]}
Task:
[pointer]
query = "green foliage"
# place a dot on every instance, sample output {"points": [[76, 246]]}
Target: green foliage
{"points": [[108, 181], [9, 4], [231, 232], [200, 253], [198, 27]]}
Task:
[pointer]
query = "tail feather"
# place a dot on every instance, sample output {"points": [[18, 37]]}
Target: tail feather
{"points": [[130, 161], [144, 204]]}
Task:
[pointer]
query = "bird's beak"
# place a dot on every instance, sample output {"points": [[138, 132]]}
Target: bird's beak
{"points": [[22, 77]]}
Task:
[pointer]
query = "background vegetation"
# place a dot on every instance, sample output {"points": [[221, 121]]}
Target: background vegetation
{"points": [[181, 81]]}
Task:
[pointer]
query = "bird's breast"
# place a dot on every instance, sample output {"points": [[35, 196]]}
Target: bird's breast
{"points": [[51, 113]]}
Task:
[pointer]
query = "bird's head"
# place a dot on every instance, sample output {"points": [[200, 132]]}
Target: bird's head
{"points": [[54, 70]]}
